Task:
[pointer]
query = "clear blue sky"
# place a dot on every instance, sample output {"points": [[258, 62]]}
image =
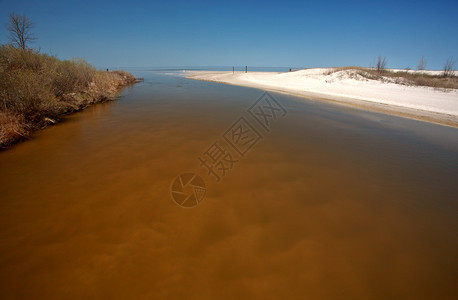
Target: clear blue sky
{"points": [[255, 33]]}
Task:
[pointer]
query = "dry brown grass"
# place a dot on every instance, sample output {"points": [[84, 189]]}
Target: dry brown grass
{"points": [[12, 129], [36, 89], [405, 77]]}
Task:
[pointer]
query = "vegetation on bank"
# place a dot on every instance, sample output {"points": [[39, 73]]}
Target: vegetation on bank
{"points": [[37, 89], [405, 77]]}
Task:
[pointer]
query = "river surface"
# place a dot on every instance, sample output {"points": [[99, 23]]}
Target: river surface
{"points": [[328, 202]]}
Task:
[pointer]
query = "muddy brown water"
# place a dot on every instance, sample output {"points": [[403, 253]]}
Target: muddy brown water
{"points": [[334, 202]]}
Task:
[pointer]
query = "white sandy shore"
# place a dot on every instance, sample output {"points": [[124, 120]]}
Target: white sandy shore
{"points": [[348, 87]]}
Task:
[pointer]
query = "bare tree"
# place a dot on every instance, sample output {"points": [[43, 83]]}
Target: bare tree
{"points": [[422, 63], [20, 28], [381, 64], [449, 67]]}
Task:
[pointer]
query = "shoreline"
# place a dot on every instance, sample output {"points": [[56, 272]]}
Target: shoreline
{"points": [[238, 79], [79, 101]]}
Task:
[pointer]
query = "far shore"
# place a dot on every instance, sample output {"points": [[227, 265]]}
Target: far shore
{"points": [[346, 87]]}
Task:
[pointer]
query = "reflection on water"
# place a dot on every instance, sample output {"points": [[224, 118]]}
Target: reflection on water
{"points": [[333, 203]]}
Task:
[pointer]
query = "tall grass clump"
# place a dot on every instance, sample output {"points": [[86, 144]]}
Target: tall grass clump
{"points": [[36, 89], [449, 67]]}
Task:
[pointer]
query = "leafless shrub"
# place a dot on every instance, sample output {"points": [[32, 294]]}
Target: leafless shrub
{"points": [[449, 67], [381, 64], [73, 76], [422, 63]]}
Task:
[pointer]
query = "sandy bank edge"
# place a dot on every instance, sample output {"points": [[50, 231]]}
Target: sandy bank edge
{"points": [[416, 114]]}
